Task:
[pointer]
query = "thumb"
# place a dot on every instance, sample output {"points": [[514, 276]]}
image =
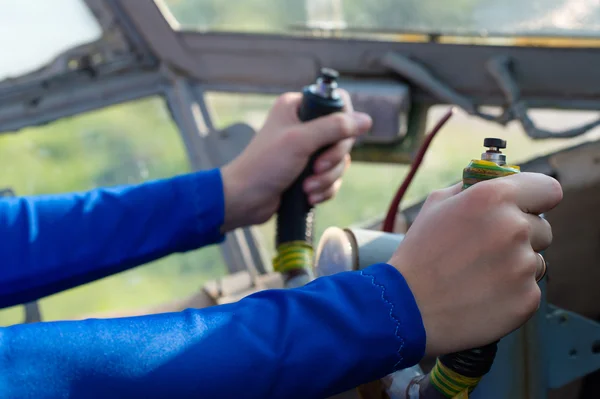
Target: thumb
{"points": [[443, 194], [326, 130]]}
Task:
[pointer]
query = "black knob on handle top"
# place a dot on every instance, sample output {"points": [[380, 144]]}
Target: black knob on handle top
{"points": [[329, 75], [494, 142]]}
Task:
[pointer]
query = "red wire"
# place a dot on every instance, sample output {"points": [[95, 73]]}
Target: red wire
{"points": [[390, 219]]}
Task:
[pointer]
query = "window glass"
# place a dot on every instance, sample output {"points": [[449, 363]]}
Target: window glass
{"points": [[123, 144], [459, 17], [462, 140], [368, 187], [33, 32]]}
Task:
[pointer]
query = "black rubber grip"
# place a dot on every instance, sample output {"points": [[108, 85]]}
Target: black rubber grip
{"points": [[295, 217], [473, 363]]}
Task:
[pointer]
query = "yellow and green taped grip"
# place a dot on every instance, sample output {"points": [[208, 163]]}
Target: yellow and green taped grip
{"points": [[451, 384], [294, 255], [479, 170]]}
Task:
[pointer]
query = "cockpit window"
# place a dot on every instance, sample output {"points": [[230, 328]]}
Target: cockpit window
{"points": [[359, 17], [33, 32], [127, 143]]}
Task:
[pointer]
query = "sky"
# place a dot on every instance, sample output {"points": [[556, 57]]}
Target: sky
{"points": [[33, 32]]}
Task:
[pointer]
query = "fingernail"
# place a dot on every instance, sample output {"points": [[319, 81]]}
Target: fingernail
{"points": [[312, 185], [362, 120], [323, 166]]}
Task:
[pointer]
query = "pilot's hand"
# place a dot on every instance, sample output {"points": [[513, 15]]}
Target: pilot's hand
{"points": [[255, 180], [470, 259]]}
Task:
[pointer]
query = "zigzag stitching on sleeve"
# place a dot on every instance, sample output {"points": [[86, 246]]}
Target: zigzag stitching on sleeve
{"points": [[392, 317]]}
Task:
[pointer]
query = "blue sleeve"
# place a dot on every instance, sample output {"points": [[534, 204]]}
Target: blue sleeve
{"points": [[55, 242], [311, 342]]}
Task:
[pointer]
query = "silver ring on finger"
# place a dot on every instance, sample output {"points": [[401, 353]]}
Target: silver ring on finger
{"points": [[544, 269]]}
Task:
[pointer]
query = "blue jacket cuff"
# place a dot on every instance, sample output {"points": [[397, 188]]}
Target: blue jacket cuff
{"points": [[404, 313], [206, 200]]}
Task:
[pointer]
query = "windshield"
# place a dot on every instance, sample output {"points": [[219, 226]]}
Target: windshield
{"points": [[458, 17], [33, 32]]}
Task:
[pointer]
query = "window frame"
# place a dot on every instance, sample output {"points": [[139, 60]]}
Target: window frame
{"points": [[143, 53]]}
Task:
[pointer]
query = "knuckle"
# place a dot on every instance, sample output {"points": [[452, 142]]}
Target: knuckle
{"points": [[482, 196], [342, 150], [343, 124], [543, 235], [529, 264], [520, 228], [346, 97], [337, 153], [549, 233], [328, 179], [432, 200], [490, 194], [285, 99], [531, 300], [435, 197], [507, 190], [343, 92], [519, 266]]}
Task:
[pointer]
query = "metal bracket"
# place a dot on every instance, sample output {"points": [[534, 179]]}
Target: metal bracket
{"points": [[501, 69], [44, 107], [205, 149], [572, 346], [238, 285], [33, 314], [387, 101]]}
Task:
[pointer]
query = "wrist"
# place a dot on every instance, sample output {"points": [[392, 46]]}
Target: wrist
{"points": [[245, 203], [233, 194]]}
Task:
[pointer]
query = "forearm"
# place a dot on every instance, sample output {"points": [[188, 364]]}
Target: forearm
{"points": [[55, 242], [311, 342]]}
